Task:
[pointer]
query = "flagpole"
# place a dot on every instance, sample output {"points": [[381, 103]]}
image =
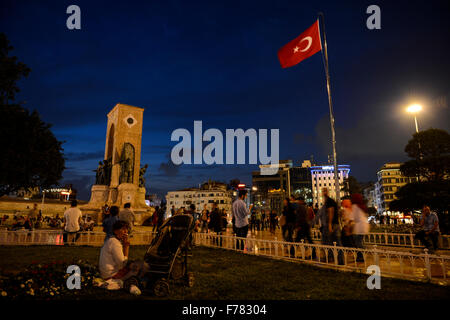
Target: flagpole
{"points": [[330, 103]]}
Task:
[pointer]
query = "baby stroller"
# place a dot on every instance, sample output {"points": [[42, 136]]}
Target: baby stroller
{"points": [[168, 254]]}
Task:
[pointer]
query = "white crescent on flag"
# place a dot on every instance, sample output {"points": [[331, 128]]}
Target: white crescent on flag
{"points": [[309, 39]]}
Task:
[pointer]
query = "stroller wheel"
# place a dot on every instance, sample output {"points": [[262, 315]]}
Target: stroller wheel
{"points": [[190, 279], [161, 288]]}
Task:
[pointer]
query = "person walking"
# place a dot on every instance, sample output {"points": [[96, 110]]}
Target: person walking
{"points": [[72, 220], [204, 219], [240, 212], [301, 226], [127, 215], [361, 225], [347, 223], [429, 235]]}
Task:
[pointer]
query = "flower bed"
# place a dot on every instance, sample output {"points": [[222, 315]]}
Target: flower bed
{"points": [[45, 281]]}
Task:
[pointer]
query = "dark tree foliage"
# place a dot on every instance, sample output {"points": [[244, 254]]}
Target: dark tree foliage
{"points": [[31, 155], [430, 153], [435, 194], [10, 72], [351, 186]]}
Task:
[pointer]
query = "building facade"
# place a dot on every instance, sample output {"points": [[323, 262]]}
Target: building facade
{"points": [[207, 194], [323, 177], [271, 190], [389, 181]]}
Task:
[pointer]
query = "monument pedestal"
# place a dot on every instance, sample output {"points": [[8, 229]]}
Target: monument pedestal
{"points": [[99, 194]]}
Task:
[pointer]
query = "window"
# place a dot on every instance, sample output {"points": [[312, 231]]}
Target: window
{"points": [[222, 202], [176, 196]]}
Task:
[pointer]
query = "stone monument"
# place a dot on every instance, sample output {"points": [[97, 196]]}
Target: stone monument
{"points": [[119, 178]]}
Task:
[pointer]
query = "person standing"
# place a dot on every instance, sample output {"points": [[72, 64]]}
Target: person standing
{"points": [[263, 220], [204, 218], [161, 217], [105, 211], [127, 215], [333, 229], [258, 220], [240, 212], [430, 229], [273, 220], [215, 224], [72, 219], [33, 214], [109, 221], [288, 220], [155, 218]]}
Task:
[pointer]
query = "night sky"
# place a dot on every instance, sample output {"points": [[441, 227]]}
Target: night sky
{"points": [[216, 61]]}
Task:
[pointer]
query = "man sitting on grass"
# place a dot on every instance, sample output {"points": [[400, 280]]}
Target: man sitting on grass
{"points": [[113, 261]]}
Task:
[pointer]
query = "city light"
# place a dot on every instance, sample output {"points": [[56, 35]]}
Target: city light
{"points": [[414, 108]]}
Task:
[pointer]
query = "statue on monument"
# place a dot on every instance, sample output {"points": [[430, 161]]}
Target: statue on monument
{"points": [[107, 167], [127, 164], [99, 176], [141, 176]]}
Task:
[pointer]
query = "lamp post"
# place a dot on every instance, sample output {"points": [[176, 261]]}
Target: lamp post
{"points": [[414, 109]]}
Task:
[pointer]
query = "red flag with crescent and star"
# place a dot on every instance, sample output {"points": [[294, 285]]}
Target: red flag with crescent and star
{"points": [[302, 47]]}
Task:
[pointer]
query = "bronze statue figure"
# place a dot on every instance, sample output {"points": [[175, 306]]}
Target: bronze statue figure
{"points": [[141, 176], [127, 164]]}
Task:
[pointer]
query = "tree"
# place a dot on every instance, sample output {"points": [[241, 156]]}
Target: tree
{"points": [[10, 72], [351, 186], [31, 155], [430, 153]]}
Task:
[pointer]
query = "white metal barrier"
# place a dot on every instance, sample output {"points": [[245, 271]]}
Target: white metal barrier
{"points": [[392, 239], [56, 237], [392, 263]]}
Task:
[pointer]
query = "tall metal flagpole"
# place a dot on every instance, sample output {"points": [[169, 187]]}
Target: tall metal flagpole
{"points": [[330, 103]]}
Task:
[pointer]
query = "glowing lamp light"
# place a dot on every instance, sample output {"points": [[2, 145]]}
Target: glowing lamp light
{"points": [[414, 108], [241, 185]]}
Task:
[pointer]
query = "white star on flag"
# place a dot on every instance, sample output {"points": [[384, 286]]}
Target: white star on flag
{"points": [[296, 49]]}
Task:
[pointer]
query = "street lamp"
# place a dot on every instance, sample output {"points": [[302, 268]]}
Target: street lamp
{"points": [[414, 108]]}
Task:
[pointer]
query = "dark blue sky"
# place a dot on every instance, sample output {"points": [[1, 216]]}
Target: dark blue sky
{"points": [[216, 61]]}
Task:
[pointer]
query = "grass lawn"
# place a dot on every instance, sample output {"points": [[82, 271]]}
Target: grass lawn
{"points": [[221, 274]]}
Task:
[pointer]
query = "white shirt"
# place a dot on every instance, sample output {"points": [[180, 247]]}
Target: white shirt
{"points": [[72, 215], [111, 258], [240, 213], [360, 219]]}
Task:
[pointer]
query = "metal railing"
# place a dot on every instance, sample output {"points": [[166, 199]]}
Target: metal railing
{"points": [[56, 237], [392, 263], [392, 239]]}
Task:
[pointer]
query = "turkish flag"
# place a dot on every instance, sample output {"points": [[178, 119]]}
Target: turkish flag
{"points": [[302, 47]]}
